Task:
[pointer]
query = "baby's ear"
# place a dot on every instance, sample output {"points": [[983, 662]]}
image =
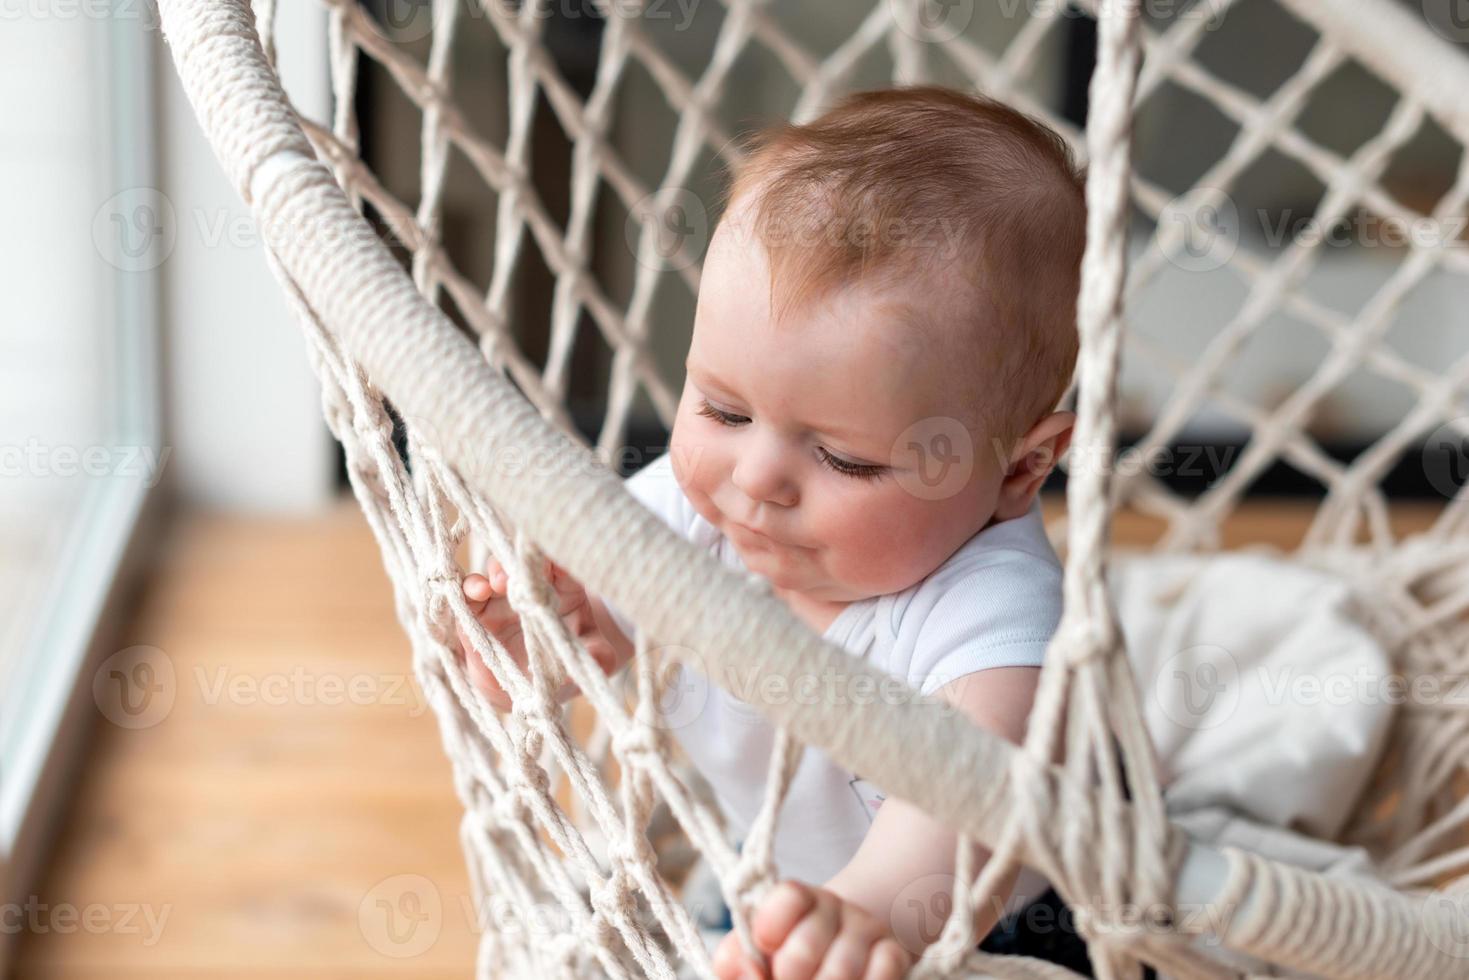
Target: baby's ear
{"points": [[1036, 455]]}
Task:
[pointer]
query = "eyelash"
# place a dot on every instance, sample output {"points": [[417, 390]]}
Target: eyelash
{"points": [[858, 471]]}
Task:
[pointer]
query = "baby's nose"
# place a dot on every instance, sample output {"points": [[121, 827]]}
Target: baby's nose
{"points": [[765, 478]]}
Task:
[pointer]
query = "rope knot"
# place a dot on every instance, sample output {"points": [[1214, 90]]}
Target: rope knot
{"points": [[435, 589], [635, 742], [526, 591], [749, 882]]}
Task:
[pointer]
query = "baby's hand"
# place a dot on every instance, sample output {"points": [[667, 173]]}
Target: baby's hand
{"points": [[809, 933], [486, 595]]}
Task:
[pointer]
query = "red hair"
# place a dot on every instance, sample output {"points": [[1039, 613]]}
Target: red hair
{"points": [[902, 183]]}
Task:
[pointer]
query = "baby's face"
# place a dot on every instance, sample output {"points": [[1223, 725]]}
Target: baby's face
{"points": [[813, 445]]}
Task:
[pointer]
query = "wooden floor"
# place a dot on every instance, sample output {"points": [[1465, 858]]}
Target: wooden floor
{"points": [[293, 804], [295, 785]]}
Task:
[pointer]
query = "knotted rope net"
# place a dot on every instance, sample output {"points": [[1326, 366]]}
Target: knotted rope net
{"points": [[591, 813]]}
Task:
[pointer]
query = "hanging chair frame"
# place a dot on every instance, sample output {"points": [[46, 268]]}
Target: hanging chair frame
{"points": [[429, 370]]}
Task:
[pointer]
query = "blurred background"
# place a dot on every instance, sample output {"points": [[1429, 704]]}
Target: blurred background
{"points": [[213, 757]]}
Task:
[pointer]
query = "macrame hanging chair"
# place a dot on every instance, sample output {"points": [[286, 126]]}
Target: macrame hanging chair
{"points": [[600, 822]]}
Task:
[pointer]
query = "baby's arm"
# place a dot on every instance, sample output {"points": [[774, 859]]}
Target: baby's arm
{"points": [[901, 871], [877, 915]]}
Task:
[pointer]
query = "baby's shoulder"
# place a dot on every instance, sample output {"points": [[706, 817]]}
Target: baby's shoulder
{"points": [[1020, 541], [1010, 564], [996, 602]]}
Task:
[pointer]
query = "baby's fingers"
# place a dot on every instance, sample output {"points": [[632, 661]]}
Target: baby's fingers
{"points": [[850, 954], [730, 961], [477, 587], [785, 907], [494, 575], [490, 591]]}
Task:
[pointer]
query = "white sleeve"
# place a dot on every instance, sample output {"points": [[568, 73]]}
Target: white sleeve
{"points": [[999, 610], [655, 488]]}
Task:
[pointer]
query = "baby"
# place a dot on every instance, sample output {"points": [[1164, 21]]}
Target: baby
{"points": [[885, 325]]}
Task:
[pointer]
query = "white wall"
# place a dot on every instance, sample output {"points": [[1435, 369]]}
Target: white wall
{"points": [[242, 408], [54, 321]]}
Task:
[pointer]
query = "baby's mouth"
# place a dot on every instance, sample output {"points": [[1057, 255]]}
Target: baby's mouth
{"points": [[752, 532], [760, 539]]}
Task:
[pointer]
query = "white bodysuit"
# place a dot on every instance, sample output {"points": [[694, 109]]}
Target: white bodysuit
{"points": [[994, 603]]}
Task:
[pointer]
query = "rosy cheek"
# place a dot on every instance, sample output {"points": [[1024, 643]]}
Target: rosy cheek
{"points": [[695, 464]]}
